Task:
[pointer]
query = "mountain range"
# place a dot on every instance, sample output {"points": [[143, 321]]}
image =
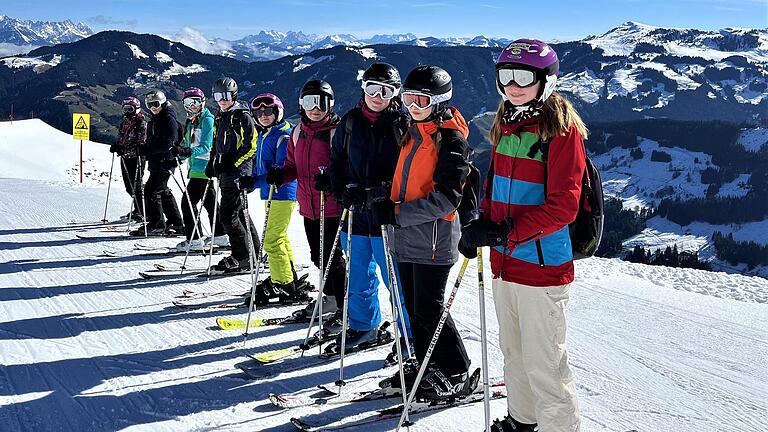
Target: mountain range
{"points": [[675, 114]]}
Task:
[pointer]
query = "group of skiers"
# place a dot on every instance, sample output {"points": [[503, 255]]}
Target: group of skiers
{"points": [[388, 179]]}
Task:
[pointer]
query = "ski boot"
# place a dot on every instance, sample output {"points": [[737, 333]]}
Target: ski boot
{"points": [[173, 230], [438, 387], [360, 340], [392, 356], [151, 232], [221, 241], [289, 294], [410, 370], [194, 245], [231, 264], [302, 315], [508, 424]]}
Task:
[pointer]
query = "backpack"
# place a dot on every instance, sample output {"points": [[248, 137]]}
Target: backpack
{"points": [[586, 230], [470, 190]]}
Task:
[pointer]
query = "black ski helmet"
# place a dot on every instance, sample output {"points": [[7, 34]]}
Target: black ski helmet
{"points": [[431, 80], [384, 73], [225, 84], [317, 87]]}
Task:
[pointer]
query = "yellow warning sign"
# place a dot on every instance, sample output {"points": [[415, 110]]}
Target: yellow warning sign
{"points": [[81, 126]]}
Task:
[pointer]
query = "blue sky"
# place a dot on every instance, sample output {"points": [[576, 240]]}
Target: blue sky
{"points": [[233, 19]]}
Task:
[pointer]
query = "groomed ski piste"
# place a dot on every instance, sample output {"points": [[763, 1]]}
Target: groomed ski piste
{"points": [[88, 345]]}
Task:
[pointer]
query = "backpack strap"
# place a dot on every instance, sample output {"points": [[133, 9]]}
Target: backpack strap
{"points": [[295, 135]]}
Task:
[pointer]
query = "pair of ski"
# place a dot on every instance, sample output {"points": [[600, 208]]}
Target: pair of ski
{"points": [[331, 420], [191, 300], [145, 249], [240, 324], [269, 363], [162, 271]]}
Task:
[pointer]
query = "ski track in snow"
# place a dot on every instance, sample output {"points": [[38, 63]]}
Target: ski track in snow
{"points": [[85, 344]]}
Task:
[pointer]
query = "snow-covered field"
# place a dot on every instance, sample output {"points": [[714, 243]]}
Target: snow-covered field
{"points": [[87, 345]]}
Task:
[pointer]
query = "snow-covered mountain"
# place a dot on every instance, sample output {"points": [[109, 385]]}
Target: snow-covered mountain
{"points": [[86, 344], [26, 32], [710, 45]]}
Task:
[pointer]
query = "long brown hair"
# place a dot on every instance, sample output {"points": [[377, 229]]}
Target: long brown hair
{"points": [[558, 115]]}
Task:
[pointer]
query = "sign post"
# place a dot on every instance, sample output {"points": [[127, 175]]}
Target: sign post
{"points": [[81, 130]]}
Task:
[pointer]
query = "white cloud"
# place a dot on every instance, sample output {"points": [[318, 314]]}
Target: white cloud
{"points": [[8, 49], [196, 39]]}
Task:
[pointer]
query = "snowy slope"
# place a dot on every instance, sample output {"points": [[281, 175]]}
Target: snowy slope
{"points": [[32, 149], [87, 345]]}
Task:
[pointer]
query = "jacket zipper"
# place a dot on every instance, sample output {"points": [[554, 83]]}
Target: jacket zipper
{"points": [[540, 253], [309, 168], [434, 238]]}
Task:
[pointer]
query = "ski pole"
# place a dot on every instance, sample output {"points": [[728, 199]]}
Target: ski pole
{"points": [[304, 346], [143, 198], [216, 191], [109, 186], [133, 192], [197, 230], [433, 343], [345, 312], [398, 314], [397, 311], [184, 193], [484, 340], [322, 269], [258, 262]]}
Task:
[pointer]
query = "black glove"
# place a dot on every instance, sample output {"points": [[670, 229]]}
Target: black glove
{"points": [[142, 149], [115, 148], [467, 251], [210, 169], [354, 196], [246, 182], [322, 182], [169, 164], [376, 194], [384, 213], [483, 232], [224, 164], [275, 176], [181, 151]]}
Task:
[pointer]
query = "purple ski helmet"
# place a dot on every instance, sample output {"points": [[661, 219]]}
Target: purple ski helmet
{"points": [[269, 100], [193, 92], [531, 54], [131, 101]]}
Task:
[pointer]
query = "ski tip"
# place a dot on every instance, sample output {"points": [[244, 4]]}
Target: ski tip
{"points": [[145, 275], [300, 424]]}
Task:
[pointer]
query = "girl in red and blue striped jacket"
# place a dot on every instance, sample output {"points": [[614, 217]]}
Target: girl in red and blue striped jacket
{"points": [[531, 196]]}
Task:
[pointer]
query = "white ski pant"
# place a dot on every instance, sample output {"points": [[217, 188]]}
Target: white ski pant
{"points": [[540, 386]]}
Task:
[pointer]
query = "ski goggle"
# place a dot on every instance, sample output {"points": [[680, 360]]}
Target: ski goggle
{"points": [[375, 88], [153, 104], [220, 96], [310, 102], [418, 100], [262, 101], [264, 112], [521, 77], [128, 109], [191, 102]]}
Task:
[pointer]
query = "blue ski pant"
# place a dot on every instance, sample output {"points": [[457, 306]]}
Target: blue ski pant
{"points": [[364, 312]]}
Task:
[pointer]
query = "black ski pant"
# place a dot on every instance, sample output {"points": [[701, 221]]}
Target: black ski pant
{"points": [[233, 219], [160, 201], [195, 190], [424, 289], [334, 283], [131, 181]]}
